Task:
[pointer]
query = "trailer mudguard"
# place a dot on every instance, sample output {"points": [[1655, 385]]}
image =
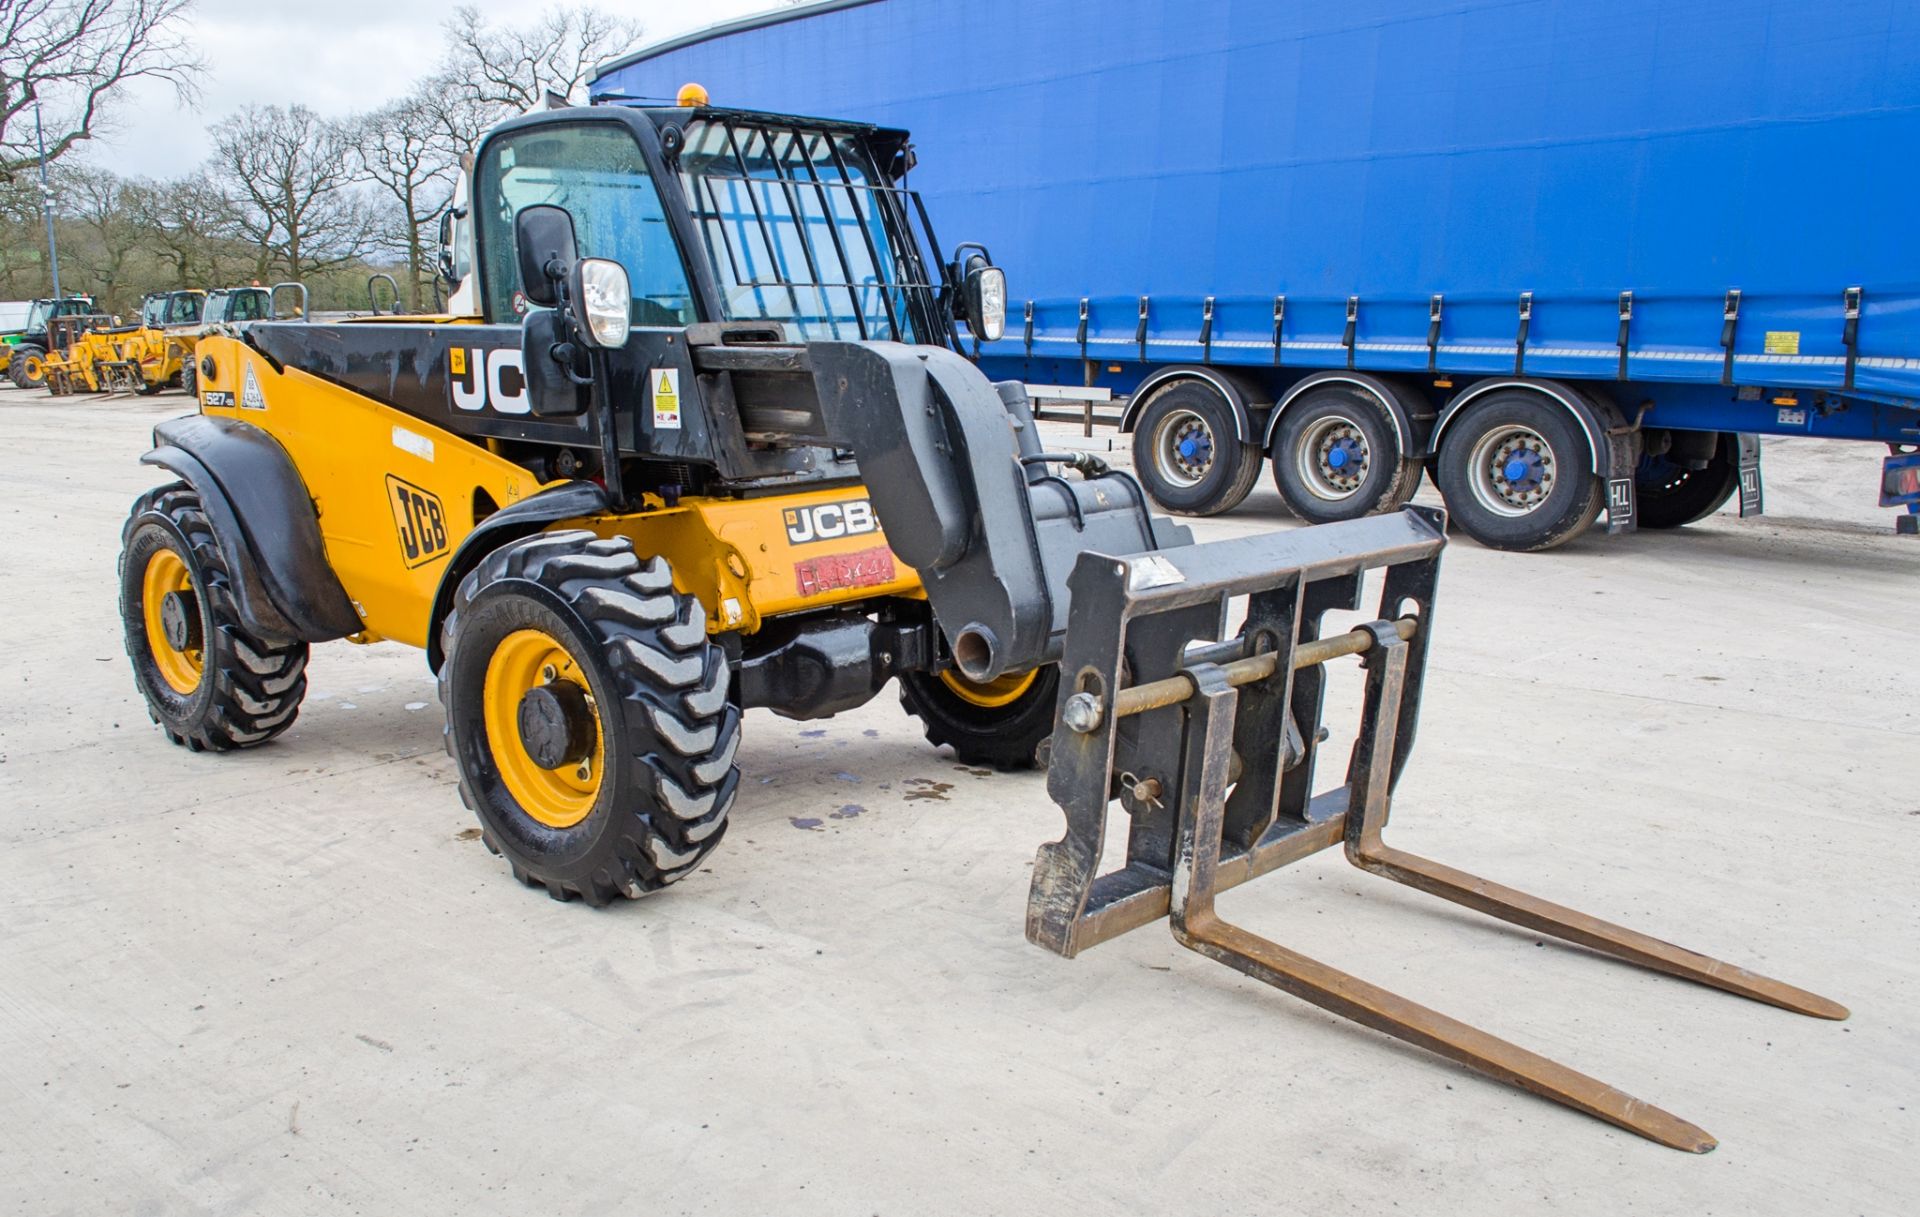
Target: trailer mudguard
{"points": [[1412, 419], [264, 524], [530, 515], [1240, 395]]}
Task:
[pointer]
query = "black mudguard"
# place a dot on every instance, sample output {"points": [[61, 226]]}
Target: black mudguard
{"points": [[530, 515], [264, 523]]}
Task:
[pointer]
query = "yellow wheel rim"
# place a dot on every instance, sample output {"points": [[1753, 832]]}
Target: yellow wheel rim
{"points": [[1000, 691], [167, 573], [525, 660], [36, 368]]}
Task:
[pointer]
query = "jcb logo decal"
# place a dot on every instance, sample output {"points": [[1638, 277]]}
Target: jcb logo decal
{"points": [[829, 521], [420, 521], [482, 379]]}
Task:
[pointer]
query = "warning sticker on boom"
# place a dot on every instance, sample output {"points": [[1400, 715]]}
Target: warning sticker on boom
{"points": [[250, 396], [666, 398]]}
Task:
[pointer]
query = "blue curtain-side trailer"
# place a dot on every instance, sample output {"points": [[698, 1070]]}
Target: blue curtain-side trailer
{"points": [[1570, 259]]}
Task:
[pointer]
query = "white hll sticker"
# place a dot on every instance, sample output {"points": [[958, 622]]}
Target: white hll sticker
{"points": [[407, 441], [250, 396], [1151, 571], [666, 398]]}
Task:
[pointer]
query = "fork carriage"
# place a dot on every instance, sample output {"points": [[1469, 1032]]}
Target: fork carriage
{"points": [[1210, 749]]}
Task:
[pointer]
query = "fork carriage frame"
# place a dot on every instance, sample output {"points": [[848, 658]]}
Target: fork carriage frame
{"points": [[1211, 751]]}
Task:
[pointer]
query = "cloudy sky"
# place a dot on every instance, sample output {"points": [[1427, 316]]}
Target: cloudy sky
{"points": [[336, 56]]}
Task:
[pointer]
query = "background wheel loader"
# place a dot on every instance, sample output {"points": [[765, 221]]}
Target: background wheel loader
{"points": [[138, 358], [708, 441]]}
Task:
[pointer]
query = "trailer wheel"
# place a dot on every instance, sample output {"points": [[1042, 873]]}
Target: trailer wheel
{"points": [[29, 366], [1001, 723], [209, 683], [1336, 456], [1185, 452], [1517, 473], [1667, 494], [588, 717]]}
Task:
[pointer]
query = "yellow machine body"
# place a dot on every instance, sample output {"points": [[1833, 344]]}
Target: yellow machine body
{"points": [[396, 496]]}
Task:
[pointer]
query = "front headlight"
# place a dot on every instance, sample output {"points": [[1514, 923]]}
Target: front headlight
{"points": [[993, 303], [602, 301]]}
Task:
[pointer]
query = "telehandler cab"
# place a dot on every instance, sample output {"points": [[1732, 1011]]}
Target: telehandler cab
{"points": [[700, 435]]}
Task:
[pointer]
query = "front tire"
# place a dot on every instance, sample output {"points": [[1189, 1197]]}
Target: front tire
{"points": [[29, 367], [1001, 723], [1336, 456], [208, 682], [588, 717], [189, 379], [1517, 473], [1185, 452]]}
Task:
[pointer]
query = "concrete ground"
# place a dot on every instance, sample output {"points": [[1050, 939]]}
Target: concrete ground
{"points": [[292, 981]]}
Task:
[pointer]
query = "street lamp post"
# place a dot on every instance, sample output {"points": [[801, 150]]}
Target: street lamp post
{"points": [[46, 200]]}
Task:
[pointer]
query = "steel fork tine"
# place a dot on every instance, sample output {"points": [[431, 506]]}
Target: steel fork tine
{"points": [[1548, 918], [1198, 927], [1370, 779]]}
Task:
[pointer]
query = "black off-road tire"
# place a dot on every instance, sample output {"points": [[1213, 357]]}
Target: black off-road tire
{"points": [[1005, 737], [250, 689], [17, 370], [660, 690], [1387, 481], [1569, 507], [1669, 495], [1228, 475], [189, 378]]}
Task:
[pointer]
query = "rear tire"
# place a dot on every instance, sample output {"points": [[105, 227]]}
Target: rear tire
{"points": [[1517, 473], [1185, 452], [189, 379], [29, 367], [1670, 495], [208, 682], [1001, 724], [1336, 456], [641, 734]]}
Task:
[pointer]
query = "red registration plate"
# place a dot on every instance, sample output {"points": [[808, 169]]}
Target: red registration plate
{"points": [[835, 572]]}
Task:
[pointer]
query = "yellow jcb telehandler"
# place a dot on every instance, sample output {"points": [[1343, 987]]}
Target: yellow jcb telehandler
{"points": [[699, 434]]}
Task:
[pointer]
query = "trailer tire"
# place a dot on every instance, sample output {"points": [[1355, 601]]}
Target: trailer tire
{"points": [[1542, 492], [29, 367], [1001, 724], [1336, 456], [588, 716], [1187, 454], [209, 683], [1670, 495]]}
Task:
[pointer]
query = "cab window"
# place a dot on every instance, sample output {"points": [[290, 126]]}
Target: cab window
{"points": [[596, 172]]}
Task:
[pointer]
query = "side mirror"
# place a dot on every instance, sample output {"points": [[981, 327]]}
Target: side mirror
{"points": [[983, 293], [554, 367], [543, 244]]}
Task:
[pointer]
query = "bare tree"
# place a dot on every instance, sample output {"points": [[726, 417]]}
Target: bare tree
{"points": [[290, 174], [71, 56], [190, 230], [96, 202], [404, 151], [512, 69], [460, 116]]}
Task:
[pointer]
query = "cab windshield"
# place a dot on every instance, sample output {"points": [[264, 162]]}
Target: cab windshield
{"points": [[595, 171], [800, 228]]}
